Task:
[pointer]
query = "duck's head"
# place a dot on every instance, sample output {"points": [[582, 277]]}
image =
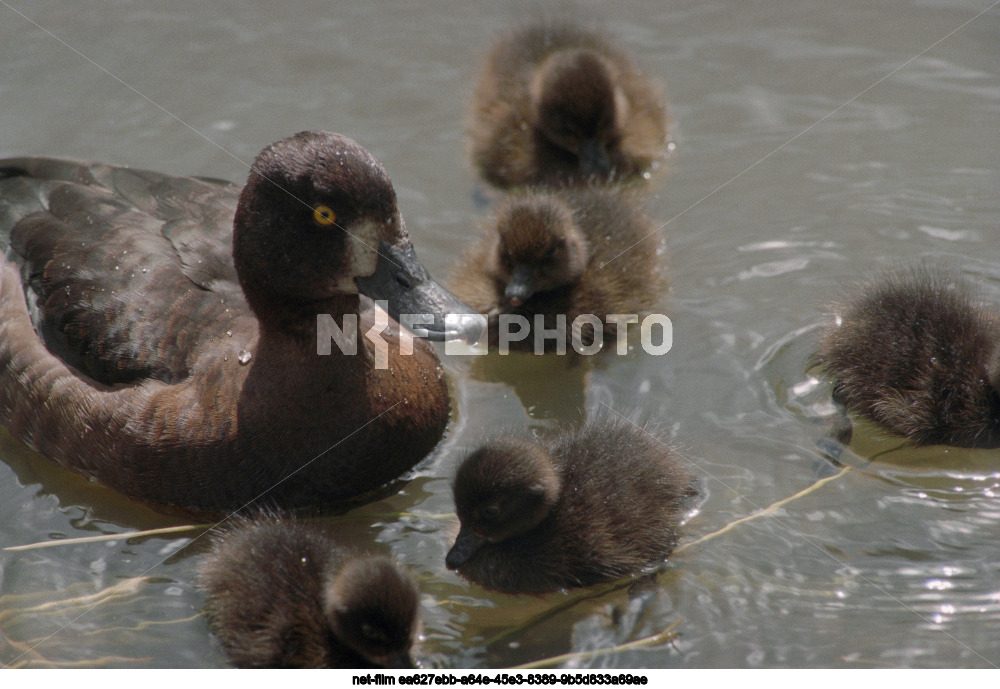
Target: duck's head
{"points": [[373, 607], [502, 490], [318, 219], [579, 108], [539, 246]]}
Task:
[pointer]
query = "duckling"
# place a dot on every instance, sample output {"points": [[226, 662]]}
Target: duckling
{"points": [[556, 102], [917, 352], [282, 594], [162, 334], [591, 504], [570, 251]]}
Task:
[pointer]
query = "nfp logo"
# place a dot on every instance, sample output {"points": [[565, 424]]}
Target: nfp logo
{"points": [[656, 334]]}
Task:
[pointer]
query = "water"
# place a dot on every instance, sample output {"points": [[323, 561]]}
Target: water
{"points": [[817, 142]]}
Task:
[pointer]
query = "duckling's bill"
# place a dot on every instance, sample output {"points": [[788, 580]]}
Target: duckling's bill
{"points": [[465, 547]]}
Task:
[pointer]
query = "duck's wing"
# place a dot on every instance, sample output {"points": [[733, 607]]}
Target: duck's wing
{"points": [[127, 273]]}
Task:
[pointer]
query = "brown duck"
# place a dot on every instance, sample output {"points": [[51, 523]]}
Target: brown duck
{"points": [[564, 252], [160, 333], [917, 352], [555, 102], [283, 595], [591, 504]]}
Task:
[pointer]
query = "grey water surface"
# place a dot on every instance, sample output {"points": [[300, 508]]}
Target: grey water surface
{"points": [[816, 143]]}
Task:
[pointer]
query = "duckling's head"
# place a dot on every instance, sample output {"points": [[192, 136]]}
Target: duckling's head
{"points": [[318, 219], [502, 490], [540, 246], [373, 607], [578, 107]]}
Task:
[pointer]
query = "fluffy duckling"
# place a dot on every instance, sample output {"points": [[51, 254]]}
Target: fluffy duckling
{"points": [[591, 504], [281, 594], [916, 352], [556, 102], [572, 251]]}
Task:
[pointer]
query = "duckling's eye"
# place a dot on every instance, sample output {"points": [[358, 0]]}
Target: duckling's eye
{"points": [[324, 216], [550, 253], [373, 634], [490, 512], [505, 259]]}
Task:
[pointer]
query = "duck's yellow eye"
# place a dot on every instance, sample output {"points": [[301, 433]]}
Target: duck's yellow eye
{"points": [[324, 216]]}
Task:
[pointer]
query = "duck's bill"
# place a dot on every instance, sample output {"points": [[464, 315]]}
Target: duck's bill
{"points": [[594, 159], [521, 286], [464, 548], [418, 302]]}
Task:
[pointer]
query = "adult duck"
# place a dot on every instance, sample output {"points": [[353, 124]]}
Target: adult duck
{"points": [[160, 334]]}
